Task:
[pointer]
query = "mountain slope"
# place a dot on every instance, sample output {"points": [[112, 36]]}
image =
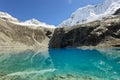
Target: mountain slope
{"points": [[22, 35], [92, 12]]}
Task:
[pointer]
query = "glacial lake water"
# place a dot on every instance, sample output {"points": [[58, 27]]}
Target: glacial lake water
{"points": [[61, 64]]}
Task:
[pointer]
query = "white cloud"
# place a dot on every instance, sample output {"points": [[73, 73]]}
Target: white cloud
{"points": [[69, 1]]}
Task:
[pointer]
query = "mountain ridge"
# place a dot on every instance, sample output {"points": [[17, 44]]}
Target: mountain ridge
{"points": [[80, 16], [32, 22], [92, 12], [19, 37]]}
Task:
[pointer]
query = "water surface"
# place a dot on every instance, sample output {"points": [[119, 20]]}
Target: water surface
{"points": [[61, 64]]}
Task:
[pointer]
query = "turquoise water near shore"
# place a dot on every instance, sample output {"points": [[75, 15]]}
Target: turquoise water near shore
{"points": [[61, 64]]}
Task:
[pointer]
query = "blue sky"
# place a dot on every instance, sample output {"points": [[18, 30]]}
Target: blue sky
{"points": [[49, 11]]}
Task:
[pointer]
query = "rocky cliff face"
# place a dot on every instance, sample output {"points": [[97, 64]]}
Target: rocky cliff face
{"points": [[99, 33], [117, 12], [22, 37]]}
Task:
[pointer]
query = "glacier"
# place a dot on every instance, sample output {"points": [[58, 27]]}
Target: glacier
{"points": [[92, 12]]}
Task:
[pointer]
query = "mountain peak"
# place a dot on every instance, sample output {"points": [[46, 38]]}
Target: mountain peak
{"points": [[92, 12], [32, 22], [36, 22]]}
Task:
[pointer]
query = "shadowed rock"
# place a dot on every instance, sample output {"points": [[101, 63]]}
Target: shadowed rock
{"points": [[100, 33]]}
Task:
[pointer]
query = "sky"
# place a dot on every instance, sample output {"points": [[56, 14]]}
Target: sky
{"points": [[48, 11]]}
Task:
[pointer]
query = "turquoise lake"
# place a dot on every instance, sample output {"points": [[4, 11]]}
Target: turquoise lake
{"points": [[61, 64]]}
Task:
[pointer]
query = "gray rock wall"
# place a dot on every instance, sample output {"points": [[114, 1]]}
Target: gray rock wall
{"points": [[104, 33]]}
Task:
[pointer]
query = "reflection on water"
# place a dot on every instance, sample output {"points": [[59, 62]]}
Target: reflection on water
{"points": [[61, 64], [24, 63]]}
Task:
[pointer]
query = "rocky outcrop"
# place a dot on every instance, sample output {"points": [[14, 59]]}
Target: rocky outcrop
{"points": [[22, 37], [100, 33], [117, 12], [56, 39]]}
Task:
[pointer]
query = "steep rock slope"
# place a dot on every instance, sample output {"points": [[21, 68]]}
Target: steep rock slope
{"points": [[100, 34], [19, 35]]}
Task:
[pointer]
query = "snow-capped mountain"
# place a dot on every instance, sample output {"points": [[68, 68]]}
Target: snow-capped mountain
{"points": [[35, 22], [92, 12], [6, 16], [32, 22], [81, 15]]}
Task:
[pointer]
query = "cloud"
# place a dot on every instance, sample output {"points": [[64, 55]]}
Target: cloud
{"points": [[69, 1]]}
